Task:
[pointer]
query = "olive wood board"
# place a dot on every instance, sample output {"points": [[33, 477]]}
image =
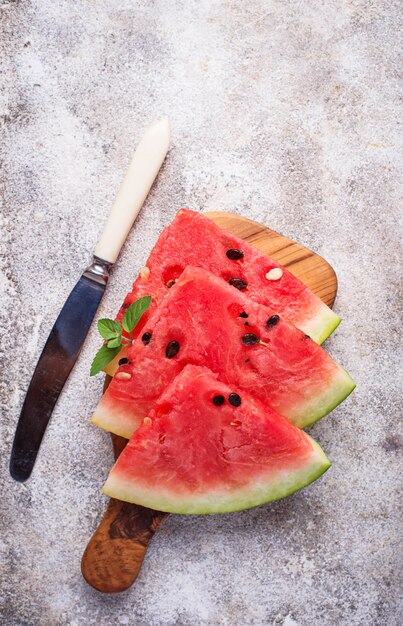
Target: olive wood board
{"points": [[115, 552]]}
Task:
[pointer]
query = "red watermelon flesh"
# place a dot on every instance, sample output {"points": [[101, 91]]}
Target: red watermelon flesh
{"points": [[193, 239], [287, 370], [193, 455]]}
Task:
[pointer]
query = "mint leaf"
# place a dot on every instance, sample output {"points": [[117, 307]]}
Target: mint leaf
{"points": [[134, 313], [109, 329], [114, 343], [104, 356]]}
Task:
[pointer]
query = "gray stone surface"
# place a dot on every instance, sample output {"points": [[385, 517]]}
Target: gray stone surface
{"points": [[283, 111]]}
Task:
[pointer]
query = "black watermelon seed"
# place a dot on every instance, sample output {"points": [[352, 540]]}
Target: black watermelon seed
{"points": [[272, 321], [170, 283], [234, 254], [234, 399], [250, 339], [238, 283], [146, 338], [218, 400], [123, 361], [243, 314], [247, 360], [246, 324], [172, 349], [307, 336]]}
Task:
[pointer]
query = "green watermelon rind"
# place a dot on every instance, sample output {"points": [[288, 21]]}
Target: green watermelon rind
{"points": [[319, 331], [255, 493], [108, 418], [342, 386]]}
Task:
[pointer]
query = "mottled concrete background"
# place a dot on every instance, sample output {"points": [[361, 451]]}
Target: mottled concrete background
{"points": [[283, 111]]}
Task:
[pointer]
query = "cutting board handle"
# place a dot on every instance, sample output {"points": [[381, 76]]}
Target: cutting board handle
{"points": [[114, 555]]}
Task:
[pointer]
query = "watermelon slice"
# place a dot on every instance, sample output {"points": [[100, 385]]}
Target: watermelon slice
{"points": [[193, 239], [205, 321], [197, 453]]}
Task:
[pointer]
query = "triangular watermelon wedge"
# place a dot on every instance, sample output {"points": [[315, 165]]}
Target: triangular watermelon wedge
{"points": [[193, 239], [197, 453], [204, 321]]}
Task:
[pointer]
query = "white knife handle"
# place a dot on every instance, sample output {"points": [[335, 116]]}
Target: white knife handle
{"points": [[139, 178]]}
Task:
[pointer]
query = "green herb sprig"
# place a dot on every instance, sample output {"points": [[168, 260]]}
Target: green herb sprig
{"points": [[111, 331]]}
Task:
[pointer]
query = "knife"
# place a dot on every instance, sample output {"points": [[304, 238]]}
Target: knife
{"points": [[71, 327]]}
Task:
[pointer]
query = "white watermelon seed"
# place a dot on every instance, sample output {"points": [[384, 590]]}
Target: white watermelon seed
{"points": [[274, 274], [123, 376], [145, 273]]}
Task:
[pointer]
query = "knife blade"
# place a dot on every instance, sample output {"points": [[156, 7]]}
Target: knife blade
{"points": [[74, 320]]}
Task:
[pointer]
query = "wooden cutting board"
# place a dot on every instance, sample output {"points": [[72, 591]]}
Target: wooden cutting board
{"points": [[115, 552]]}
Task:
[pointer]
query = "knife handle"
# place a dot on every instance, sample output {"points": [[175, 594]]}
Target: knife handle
{"points": [[139, 178]]}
